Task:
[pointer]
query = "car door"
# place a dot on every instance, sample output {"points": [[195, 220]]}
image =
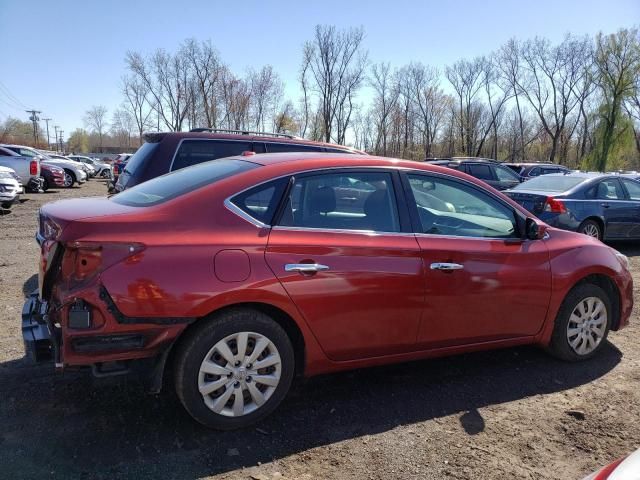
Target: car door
{"points": [[483, 172], [616, 210], [353, 270], [506, 177], [482, 281], [632, 189]]}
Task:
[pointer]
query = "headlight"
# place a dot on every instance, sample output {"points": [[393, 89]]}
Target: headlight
{"points": [[624, 260]]}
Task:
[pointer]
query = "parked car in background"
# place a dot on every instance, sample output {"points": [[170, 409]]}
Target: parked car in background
{"points": [[88, 169], [73, 171], [166, 152], [603, 206], [489, 171], [625, 468], [52, 175], [101, 169], [10, 187], [529, 170], [25, 162], [286, 274]]}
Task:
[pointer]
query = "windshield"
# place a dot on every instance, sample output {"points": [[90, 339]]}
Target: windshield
{"points": [[178, 183], [551, 183]]}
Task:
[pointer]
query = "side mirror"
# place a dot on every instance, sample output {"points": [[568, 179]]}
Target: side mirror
{"points": [[428, 185], [533, 230]]}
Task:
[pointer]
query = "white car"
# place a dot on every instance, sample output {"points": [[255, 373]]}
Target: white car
{"points": [[88, 169], [102, 169], [10, 187], [622, 469], [73, 173]]}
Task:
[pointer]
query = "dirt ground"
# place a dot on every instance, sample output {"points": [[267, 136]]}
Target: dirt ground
{"points": [[497, 415]]}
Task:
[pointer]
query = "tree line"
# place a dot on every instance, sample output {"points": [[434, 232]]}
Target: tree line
{"points": [[575, 102]]}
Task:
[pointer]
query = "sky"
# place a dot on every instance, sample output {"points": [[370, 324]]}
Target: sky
{"points": [[61, 57]]}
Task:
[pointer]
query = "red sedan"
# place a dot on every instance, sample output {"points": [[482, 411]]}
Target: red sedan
{"points": [[247, 271]]}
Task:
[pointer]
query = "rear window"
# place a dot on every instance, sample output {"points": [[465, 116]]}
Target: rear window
{"points": [[173, 185], [483, 172], [193, 152], [550, 183], [141, 155]]}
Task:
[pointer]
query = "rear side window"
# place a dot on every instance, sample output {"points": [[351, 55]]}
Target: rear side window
{"points": [[173, 185], [262, 201], [483, 172], [193, 152], [506, 175], [291, 147], [337, 150]]}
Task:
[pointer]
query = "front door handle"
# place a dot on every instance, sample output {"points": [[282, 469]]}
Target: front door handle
{"points": [[605, 205], [446, 267], [305, 267]]}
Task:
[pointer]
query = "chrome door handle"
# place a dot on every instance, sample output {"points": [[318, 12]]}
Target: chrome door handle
{"points": [[446, 267], [305, 267]]}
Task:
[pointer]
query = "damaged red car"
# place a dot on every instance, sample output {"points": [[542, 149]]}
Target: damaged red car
{"points": [[242, 273]]}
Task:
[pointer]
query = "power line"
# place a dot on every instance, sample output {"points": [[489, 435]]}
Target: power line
{"points": [[11, 96]]}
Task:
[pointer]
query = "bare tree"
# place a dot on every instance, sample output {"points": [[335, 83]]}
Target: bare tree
{"points": [[96, 119], [122, 125], [386, 97], [136, 102], [335, 63]]}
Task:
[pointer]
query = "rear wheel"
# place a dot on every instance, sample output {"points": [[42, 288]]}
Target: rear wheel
{"points": [[234, 369], [45, 184], [591, 228], [582, 324]]}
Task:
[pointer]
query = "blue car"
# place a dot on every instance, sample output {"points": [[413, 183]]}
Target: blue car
{"points": [[603, 206]]}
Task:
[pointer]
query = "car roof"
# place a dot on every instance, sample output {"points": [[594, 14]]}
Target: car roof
{"points": [[289, 139]]}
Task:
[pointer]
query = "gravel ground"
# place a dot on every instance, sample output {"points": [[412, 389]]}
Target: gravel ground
{"points": [[508, 414]]}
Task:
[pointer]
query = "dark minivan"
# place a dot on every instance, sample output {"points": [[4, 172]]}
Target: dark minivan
{"points": [[166, 152]]}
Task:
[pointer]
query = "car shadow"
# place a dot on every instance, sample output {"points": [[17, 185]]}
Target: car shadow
{"points": [[78, 427], [30, 285], [631, 248]]}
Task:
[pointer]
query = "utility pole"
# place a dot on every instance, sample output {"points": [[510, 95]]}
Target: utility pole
{"points": [[62, 141], [55, 128], [34, 119], [47, 120]]}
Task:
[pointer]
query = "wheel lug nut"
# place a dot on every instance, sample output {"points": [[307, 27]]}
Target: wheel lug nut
{"points": [[237, 364], [236, 385], [248, 379], [249, 365]]}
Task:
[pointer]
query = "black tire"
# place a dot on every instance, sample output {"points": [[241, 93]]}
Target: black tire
{"points": [[72, 177], [198, 342], [591, 228], [559, 345], [45, 184]]}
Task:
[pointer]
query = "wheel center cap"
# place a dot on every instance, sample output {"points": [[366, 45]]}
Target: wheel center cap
{"points": [[240, 373]]}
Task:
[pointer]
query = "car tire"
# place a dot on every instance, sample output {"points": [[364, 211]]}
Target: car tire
{"points": [[582, 324], [45, 184], [238, 398], [591, 228], [69, 178]]}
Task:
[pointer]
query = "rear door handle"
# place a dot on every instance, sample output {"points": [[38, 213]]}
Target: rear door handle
{"points": [[446, 267], [305, 267], [605, 205]]}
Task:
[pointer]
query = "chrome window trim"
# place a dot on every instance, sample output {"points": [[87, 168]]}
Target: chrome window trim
{"points": [[257, 223], [173, 159]]}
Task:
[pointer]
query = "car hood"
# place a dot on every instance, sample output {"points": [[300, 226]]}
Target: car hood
{"points": [[62, 163]]}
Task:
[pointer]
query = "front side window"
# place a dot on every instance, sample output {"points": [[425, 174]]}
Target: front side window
{"points": [[343, 201], [633, 188], [483, 172], [193, 152], [449, 207]]}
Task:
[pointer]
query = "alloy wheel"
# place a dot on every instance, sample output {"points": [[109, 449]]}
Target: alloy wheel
{"points": [[68, 179], [587, 325], [239, 374], [591, 230]]}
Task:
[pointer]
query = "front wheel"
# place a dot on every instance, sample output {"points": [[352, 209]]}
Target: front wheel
{"points": [[234, 369], [582, 324], [69, 179]]}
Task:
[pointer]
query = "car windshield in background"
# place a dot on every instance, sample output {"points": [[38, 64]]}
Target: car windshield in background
{"points": [[551, 183], [173, 185]]}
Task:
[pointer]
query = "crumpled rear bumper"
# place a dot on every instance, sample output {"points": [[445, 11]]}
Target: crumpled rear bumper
{"points": [[41, 341]]}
